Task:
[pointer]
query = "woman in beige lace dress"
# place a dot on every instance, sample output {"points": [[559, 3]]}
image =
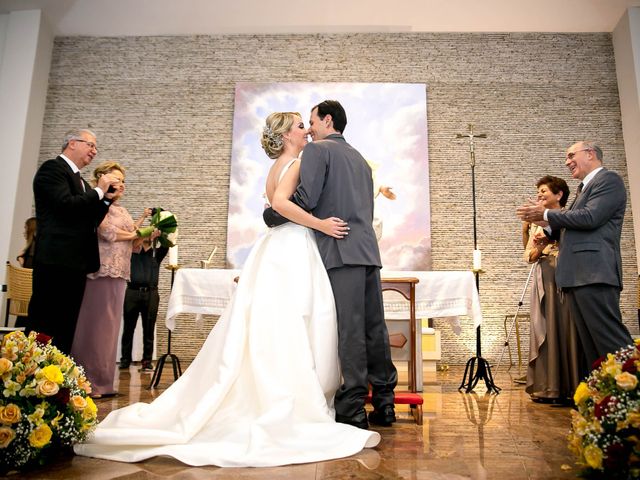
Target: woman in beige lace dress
{"points": [[96, 338], [552, 374]]}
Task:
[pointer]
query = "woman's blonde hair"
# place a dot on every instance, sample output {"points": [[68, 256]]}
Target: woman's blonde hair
{"points": [[276, 125], [106, 167]]}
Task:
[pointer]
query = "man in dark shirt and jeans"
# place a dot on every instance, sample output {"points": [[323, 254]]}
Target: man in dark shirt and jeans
{"points": [[141, 298]]}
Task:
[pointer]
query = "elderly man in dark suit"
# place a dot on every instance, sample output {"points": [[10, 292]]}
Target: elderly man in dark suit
{"points": [[589, 269], [335, 181], [68, 211]]}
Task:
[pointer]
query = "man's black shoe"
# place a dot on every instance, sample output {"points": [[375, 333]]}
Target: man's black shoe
{"points": [[124, 364], [147, 366], [383, 417], [358, 420]]}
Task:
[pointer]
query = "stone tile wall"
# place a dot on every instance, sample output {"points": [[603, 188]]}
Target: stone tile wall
{"points": [[163, 106]]}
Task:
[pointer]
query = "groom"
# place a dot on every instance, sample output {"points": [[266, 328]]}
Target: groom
{"points": [[335, 181]]}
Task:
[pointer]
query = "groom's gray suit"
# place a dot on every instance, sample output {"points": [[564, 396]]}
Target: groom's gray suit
{"points": [[335, 181], [589, 268]]}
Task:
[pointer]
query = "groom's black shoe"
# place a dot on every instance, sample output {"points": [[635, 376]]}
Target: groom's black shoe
{"points": [[383, 417], [358, 420]]}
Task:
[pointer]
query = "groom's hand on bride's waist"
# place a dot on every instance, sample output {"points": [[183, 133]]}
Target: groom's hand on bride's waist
{"points": [[273, 218]]}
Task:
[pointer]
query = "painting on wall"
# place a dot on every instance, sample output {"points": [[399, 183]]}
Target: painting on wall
{"points": [[386, 123]]}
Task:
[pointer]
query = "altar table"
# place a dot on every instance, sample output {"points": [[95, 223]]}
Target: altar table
{"points": [[439, 294]]}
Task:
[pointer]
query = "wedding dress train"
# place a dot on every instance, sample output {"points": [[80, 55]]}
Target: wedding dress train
{"points": [[260, 391]]}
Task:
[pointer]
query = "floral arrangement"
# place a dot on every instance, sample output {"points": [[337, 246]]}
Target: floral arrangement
{"points": [[605, 430], [167, 223], [44, 406]]}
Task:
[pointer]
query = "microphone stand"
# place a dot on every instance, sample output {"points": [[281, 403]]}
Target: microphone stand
{"points": [[477, 368]]}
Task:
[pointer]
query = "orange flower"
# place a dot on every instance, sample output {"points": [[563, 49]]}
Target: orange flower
{"points": [[6, 436], [10, 413]]}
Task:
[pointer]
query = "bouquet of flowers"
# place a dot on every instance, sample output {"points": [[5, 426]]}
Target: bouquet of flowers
{"points": [[44, 406], [605, 431], [166, 223]]}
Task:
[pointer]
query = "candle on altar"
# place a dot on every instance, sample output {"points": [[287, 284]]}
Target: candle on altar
{"points": [[173, 255], [477, 259]]}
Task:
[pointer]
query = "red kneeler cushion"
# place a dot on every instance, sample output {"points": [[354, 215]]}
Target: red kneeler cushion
{"points": [[407, 398], [403, 398]]}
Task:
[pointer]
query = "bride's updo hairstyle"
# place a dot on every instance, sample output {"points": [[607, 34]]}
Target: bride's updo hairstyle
{"points": [[276, 125]]}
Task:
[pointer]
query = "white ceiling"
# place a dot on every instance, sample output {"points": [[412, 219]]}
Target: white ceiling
{"points": [[189, 17]]}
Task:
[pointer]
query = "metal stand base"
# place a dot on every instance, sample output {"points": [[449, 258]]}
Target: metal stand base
{"points": [[478, 369], [175, 362], [157, 373]]}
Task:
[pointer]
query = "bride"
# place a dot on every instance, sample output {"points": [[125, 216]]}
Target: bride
{"points": [[260, 391]]}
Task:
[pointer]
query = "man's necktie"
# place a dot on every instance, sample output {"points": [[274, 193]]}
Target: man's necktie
{"points": [[578, 192], [77, 174]]}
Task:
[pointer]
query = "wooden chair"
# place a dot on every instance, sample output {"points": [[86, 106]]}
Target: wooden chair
{"points": [[18, 291]]}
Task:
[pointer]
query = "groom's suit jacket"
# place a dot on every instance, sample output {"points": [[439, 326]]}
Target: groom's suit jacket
{"points": [[68, 217], [336, 181], [590, 233]]}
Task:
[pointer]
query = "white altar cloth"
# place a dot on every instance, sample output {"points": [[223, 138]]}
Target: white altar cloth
{"points": [[438, 294]]}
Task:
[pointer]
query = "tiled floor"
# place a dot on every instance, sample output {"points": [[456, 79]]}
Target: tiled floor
{"points": [[473, 435]]}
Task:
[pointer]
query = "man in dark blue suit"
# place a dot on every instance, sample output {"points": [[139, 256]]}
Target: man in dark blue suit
{"points": [[68, 212], [589, 269]]}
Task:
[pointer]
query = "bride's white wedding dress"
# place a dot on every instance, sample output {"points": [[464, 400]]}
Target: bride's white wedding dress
{"points": [[260, 391]]}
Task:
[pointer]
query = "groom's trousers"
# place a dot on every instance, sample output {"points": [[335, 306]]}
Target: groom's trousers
{"points": [[363, 340]]}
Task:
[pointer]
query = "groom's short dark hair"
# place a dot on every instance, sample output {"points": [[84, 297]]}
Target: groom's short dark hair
{"points": [[333, 108]]}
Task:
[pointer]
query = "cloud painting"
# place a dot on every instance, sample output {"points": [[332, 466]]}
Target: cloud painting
{"points": [[387, 123]]}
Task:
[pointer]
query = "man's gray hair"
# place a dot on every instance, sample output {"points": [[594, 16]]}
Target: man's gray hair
{"points": [[594, 147], [75, 134]]}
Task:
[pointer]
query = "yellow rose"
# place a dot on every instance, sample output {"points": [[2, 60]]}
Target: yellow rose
{"points": [[636, 341], [78, 403], [626, 381], [40, 436], [10, 414], [51, 373], [581, 394], [6, 436], [5, 365], [47, 388], [593, 456], [634, 419], [91, 410]]}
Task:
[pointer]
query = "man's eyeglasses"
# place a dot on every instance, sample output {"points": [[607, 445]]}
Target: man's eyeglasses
{"points": [[570, 155], [91, 144]]}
